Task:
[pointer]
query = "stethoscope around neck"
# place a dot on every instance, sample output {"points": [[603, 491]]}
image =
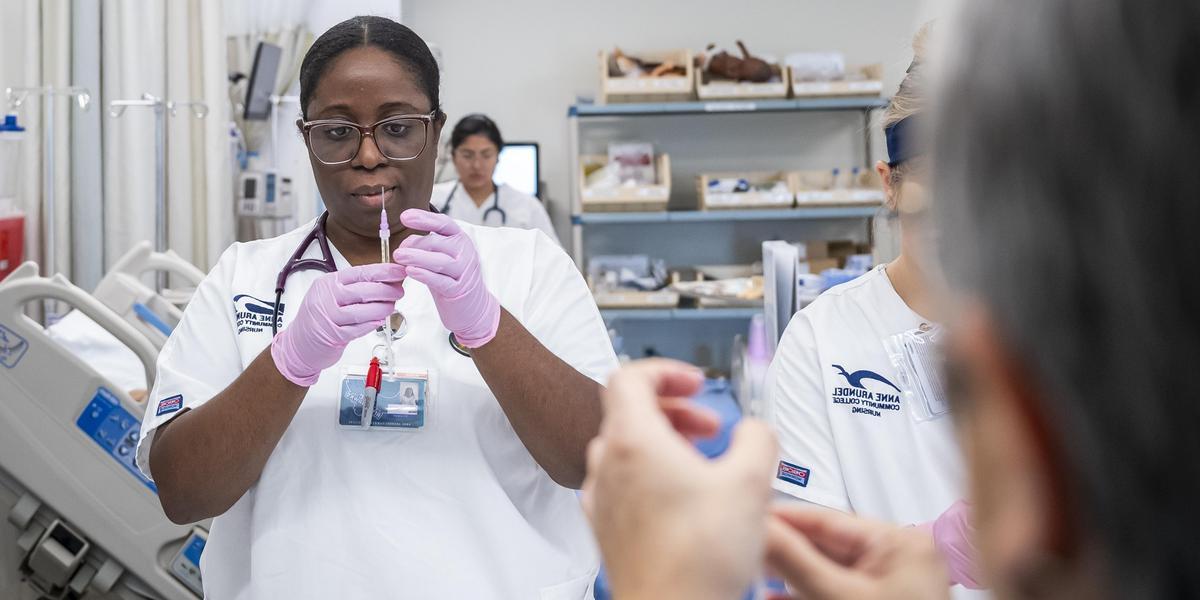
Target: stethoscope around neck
{"points": [[494, 208]]}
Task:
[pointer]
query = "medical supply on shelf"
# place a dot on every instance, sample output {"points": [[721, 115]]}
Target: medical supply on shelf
{"points": [[636, 272], [859, 262], [856, 185], [634, 281], [635, 162], [816, 66], [720, 63], [816, 74], [741, 291], [808, 287], [745, 190], [663, 76], [622, 181]]}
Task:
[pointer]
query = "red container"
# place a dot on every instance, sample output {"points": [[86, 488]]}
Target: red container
{"points": [[12, 243]]}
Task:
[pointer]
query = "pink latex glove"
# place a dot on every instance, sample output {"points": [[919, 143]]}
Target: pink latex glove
{"points": [[953, 536], [447, 263], [340, 307]]}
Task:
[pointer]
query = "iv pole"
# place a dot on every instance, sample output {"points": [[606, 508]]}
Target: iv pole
{"points": [[16, 98], [160, 107]]}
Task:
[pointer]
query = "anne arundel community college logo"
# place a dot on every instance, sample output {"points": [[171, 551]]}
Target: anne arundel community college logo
{"points": [[253, 315], [863, 401]]}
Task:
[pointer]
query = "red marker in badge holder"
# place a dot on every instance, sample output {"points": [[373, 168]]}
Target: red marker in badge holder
{"points": [[373, 383]]}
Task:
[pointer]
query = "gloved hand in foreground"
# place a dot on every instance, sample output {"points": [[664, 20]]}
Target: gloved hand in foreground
{"points": [[339, 307], [446, 261], [953, 536]]}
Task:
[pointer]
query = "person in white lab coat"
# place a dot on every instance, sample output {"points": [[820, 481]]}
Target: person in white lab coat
{"points": [[850, 439], [459, 483], [474, 197]]}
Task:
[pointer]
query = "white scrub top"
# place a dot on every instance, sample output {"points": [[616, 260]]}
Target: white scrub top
{"points": [[523, 211], [847, 439], [458, 510]]}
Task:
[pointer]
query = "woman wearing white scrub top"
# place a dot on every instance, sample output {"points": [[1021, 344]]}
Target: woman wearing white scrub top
{"points": [[244, 427], [474, 198], [848, 439]]}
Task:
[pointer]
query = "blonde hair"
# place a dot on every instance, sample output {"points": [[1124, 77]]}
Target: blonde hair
{"points": [[910, 97]]}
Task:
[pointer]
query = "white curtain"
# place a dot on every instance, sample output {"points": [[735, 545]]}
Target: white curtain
{"points": [[35, 40], [173, 49]]}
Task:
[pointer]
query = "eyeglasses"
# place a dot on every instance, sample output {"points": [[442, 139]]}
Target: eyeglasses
{"points": [[470, 157], [336, 141]]}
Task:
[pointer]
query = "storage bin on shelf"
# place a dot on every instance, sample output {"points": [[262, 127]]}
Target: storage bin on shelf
{"points": [[668, 88], [833, 187], [778, 192], [637, 198], [710, 88], [634, 299], [865, 80]]}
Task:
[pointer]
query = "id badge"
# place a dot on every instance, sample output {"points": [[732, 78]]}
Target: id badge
{"points": [[402, 403], [917, 356]]}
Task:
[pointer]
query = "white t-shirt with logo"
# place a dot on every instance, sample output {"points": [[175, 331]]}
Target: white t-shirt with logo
{"points": [[847, 439], [457, 510]]}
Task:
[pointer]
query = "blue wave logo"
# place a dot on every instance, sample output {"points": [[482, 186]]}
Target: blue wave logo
{"points": [[857, 378], [253, 315], [248, 303]]}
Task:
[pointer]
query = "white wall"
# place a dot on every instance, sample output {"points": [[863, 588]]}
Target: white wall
{"points": [[524, 61]]}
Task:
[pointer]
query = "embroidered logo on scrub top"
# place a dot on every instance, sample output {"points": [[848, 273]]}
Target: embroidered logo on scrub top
{"points": [[169, 405], [253, 315], [792, 473], [863, 401]]}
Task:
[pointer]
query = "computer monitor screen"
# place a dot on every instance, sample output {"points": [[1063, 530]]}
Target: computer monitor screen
{"points": [[262, 81], [518, 167]]}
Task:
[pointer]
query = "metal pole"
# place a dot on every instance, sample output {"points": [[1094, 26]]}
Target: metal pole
{"points": [[49, 266], [48, 259], [160, 108], [16, 97], [160, 188], [867, 154]]}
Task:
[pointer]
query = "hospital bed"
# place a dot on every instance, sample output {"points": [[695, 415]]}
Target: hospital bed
{"points": [[152, 314], [86, 519]]}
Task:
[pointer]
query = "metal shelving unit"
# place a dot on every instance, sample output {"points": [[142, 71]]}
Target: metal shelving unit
{"points": [[725, 107], [578, 112], [698, 216], [675, 330], [678, 314]]}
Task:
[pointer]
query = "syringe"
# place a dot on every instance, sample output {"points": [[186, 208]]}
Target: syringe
{"points": [[385, 256]]}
